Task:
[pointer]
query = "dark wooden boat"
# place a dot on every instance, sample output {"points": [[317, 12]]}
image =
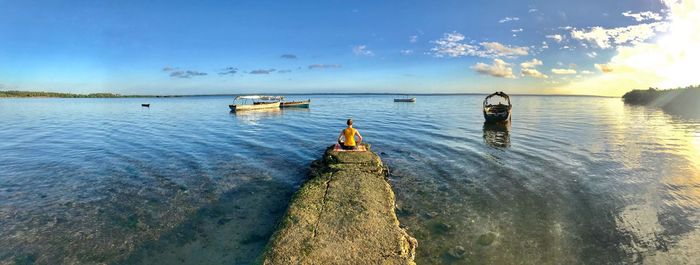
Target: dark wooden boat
{"points": [[497, 107], [146, 105], [295, 104]]}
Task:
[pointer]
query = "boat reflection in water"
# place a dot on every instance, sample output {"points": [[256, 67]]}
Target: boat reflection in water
{"points": [[253, 116], [497, 134], [292, 110]]}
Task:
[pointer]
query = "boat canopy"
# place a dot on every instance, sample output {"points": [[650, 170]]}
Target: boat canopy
{"points": [[499, 98], [260, 97]]}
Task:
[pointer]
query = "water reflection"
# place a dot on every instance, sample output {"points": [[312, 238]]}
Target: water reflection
{"points": [[98, 181], [497, 134], [253, 116], [597, 182], [295, 110]]}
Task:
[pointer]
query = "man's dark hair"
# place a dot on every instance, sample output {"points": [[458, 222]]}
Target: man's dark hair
{"points": [[349, 122]]}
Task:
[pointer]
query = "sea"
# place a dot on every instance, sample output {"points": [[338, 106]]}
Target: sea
{"points": [[570, 180]]}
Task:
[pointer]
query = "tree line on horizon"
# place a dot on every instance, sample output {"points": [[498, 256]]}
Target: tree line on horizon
{"points": [[683, 100], [42, 94], [656, 96]]}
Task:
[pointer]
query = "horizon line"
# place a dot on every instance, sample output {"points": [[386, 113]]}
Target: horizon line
{"points": [[308, 93]]}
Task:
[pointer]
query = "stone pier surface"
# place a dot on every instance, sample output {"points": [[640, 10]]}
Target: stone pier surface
{"points": [[344, 214]]}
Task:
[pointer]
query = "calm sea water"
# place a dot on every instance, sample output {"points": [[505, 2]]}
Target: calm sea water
{"points": [[572, 180]]}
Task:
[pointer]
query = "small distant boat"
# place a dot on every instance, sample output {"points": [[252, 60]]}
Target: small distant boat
{"points": [[258, 102], [146, 105], [405, 99], [295, 104], [497, 107]]}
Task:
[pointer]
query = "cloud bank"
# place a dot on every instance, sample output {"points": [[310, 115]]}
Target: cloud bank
{"points": [[229, 71], [499, 68], [671, 61], [176, 73], [324, 66], [452, 45], [262, 71], [606, 38]]}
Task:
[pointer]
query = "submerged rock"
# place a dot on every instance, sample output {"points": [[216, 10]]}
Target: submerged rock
{"points": [[344, 214], [440, 228], [431, 214], [486, 239], [457, 252]]}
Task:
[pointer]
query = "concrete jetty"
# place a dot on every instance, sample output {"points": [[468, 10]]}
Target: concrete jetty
{"points": [[344, 214]]}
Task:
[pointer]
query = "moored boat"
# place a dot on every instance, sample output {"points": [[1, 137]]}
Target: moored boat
{"points": [[497, 107], [259, 102], [405, 99], [146, 105], [295, 104]]}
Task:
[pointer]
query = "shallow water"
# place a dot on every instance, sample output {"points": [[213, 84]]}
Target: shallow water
{"points": [[571, 180]]}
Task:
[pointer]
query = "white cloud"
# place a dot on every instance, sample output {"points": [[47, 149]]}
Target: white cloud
{"points": [[362, 50], [517, 30], [634, 34], [532, 73], [527, 68], [508, 19], [499, 50], [406, 52], [413, 39], [532, 10], [592, 54], [561, 71], [605, 68], [499, 68], [531, 63], [642, 16], [451, 45], [586, 72], [555, 37]]}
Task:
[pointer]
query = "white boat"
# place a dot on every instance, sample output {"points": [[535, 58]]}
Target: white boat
{"points": [[258, 102]]}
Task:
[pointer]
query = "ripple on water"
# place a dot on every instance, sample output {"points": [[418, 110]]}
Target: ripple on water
{"points": [[186, 182]]}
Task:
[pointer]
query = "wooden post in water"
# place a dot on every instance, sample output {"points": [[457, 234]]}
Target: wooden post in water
{"points": [[344, 214]]}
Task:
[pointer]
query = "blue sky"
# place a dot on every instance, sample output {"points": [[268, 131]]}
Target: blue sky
{"points": [[203, 47]]}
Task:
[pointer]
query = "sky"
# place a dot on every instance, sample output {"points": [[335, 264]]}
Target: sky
{"points": [[596, 47]]}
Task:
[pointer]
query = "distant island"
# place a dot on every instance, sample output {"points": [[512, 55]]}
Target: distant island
{"points": [[683, 101], [41, 94]]}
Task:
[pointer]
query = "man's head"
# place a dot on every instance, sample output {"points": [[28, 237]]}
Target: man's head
{"points": [[349, 122]]}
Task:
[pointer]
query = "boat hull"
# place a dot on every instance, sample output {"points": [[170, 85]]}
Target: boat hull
{"points": [[244, 107], [295, 104], [405, 100], [497, 117]]}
